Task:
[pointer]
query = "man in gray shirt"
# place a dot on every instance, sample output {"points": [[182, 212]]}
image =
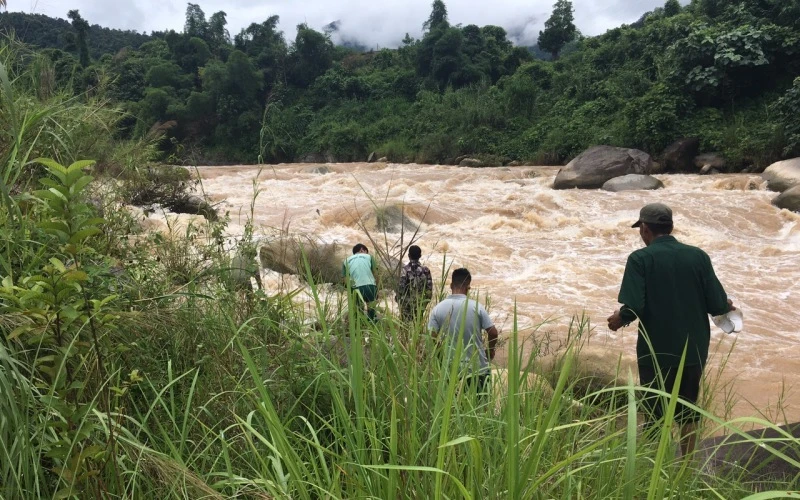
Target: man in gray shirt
{"points": [[458, 317]]}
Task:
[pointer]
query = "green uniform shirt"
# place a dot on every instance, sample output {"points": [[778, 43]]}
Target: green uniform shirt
{"points": [[671, 288], [362, 268]]}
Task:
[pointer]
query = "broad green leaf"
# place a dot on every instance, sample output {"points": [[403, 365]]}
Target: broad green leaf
{"points": [[58, 265], [16, 332], [49, 182], [80, 165], [81, 183], [76, 275], [94, 221], [75, 171], [57, 191], [69, 312], [55, 226], [44, 195], [83, 234], [54, 167]]}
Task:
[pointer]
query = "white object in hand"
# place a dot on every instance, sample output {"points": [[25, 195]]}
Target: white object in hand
{"points": [[730, 321]]}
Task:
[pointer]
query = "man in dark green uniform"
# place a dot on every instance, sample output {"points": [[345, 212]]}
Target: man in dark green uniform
{"points": [[671, 289]]}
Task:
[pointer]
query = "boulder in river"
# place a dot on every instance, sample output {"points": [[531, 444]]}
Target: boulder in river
{"points": [[312, 158], [592, 168], [288, 255], [633, 182], [679, 156], [590, 368], [471, 162], [782, 175], [192, 204], [789, 199], [318, 170], [747, 458], [716, 160]]}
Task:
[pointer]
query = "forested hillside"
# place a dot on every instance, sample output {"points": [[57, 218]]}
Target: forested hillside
{"points": [[720, 71], [49, 33]]}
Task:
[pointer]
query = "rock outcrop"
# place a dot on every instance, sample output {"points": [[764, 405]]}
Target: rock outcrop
{"points": [[470, 162], [591, 368], [192, 204], [592, 168], [318, 170], [748, 460], [289, 256], [716, 160], [312, 158], [633, 182], [782, 175], [528, 383], [390, 219], [708, 170], [789, 199], [679, 156]]}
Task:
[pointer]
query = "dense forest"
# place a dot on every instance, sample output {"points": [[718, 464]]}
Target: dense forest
{"points": [[720, 71], [46, 32]]}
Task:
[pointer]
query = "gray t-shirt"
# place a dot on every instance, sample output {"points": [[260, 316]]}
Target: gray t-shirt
{"points": [[458, 315]]}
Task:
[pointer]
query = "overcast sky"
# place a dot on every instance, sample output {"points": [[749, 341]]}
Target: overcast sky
{"points": [[374, 23]]}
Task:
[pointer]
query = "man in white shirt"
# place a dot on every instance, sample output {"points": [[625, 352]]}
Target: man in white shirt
{"points": [[458, 317]]}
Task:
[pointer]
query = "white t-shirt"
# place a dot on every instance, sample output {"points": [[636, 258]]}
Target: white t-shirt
{"points": [[458, 315]]}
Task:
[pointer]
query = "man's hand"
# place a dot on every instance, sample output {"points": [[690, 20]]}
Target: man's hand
{"points": [[615, 321]]}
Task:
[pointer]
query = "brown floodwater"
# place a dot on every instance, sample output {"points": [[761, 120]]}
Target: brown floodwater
{"points": [[557, 254]]}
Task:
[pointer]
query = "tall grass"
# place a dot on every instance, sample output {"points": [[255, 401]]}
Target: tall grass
{"points": [[221, 397], [396, 422]]}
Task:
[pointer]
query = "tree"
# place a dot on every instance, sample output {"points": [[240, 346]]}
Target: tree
{"points": [[264, 44], [165, 74], [196, 24], [438, 17], [447, 58], [218, 34], [711, 8], [672, 8], [312, 55], [559, 29], [81, 28]]}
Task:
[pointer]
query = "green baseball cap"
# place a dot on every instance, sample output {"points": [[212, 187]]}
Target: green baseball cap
{"points": [[654, 213]]}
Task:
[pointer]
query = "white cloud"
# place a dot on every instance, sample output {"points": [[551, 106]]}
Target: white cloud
{"points": [[374, 23]]}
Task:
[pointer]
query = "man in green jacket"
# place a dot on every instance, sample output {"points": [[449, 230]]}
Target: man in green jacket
{"points": [[671, 289], [358, 271]]}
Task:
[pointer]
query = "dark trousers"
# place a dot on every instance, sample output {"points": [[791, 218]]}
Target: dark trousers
{"points": [[367, 295], [411, 308], [483, 384], [689, 390]]}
